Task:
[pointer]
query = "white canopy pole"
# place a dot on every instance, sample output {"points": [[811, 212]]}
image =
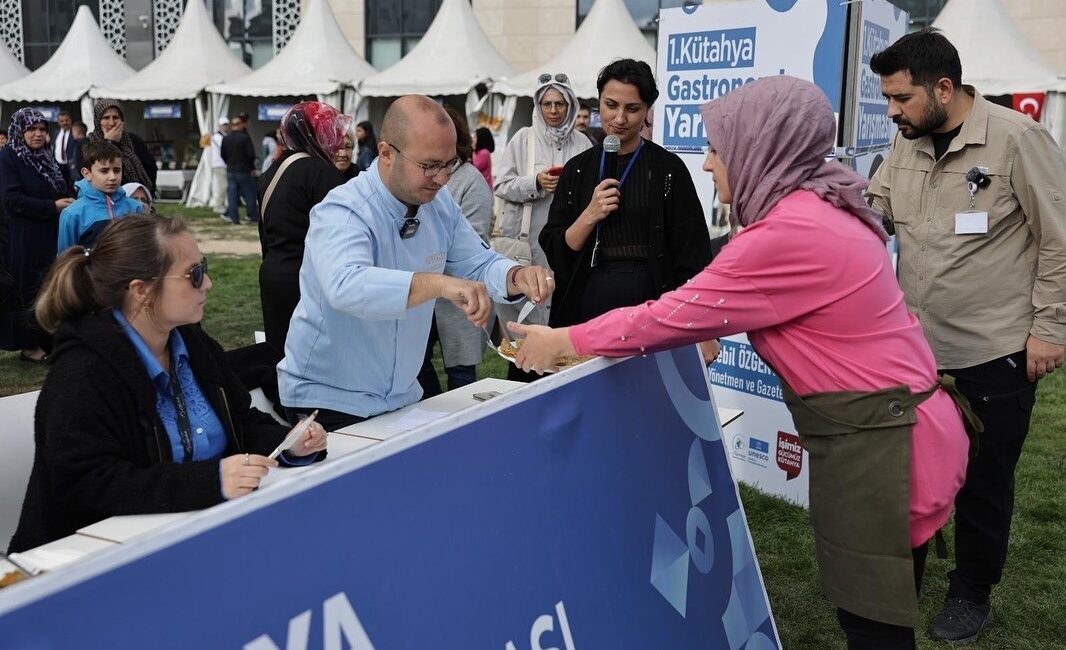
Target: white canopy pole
{"points": [[200, 188]]}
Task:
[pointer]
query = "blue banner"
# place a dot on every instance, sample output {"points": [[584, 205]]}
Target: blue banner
{"points": [[167, 111], [273, 112], [593, 509], [739, 367]]}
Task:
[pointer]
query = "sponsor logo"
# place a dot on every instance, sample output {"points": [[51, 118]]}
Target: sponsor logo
{"points": [[789, 454], [740, 449], [758, 452]]}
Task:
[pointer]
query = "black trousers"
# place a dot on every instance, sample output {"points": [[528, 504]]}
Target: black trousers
{"points": [[458, 376], [330, 420], [1003, 397], [867, 634]]}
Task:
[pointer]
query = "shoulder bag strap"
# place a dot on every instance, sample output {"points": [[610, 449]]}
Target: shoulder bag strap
{"points": [[527, 209], [277, 176]]}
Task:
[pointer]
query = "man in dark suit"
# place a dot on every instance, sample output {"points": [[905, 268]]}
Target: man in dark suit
{"points": [[63, 145]]}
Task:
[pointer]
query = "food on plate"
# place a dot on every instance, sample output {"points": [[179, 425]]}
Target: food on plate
{"points": [[11, 578], [566, 361]]}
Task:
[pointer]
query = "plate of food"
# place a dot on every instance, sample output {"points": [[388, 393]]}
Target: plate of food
{"points": [[509, 352]]}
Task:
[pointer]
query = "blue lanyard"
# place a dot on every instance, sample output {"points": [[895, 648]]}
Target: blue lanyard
{"points": [[625, 173]]}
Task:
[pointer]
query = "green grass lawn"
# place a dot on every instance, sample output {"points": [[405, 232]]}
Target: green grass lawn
{"points": [[1024, 604]]}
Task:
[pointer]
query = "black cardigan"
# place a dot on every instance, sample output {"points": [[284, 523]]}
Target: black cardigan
{"points": [[680, 244], [101, 449]]}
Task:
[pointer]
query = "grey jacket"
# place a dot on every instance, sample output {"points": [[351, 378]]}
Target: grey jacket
{"points": [[462, 342]]}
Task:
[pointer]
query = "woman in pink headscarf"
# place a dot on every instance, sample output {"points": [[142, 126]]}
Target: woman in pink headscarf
{"points": [[810, 281]]}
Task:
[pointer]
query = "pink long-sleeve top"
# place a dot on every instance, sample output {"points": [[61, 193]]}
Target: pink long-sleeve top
{"points": [[814, 289], [483, 162]]}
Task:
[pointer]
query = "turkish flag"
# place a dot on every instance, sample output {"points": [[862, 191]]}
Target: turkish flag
{"points": [[1032, 104]]}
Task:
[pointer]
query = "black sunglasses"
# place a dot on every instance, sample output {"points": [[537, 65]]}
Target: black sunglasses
{"points": [[560, 77], [195, 275]]}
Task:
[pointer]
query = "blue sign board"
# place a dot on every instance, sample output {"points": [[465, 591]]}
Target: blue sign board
{"points": [[50, 112], [162, 111], [592, 509], [273, 112]]}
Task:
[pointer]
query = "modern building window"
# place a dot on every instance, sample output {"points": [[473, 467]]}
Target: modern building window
{"points": [[45, 23], [394, 27], [247, 25]]}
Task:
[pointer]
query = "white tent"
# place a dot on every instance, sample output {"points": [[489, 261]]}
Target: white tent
{"points": [[318, 60], [452, 58], [84, 60], [996, 58], [607, 33], [10, 67], [195, 58]]}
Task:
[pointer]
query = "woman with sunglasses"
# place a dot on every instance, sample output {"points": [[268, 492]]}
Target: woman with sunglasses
{"points": [[140, 413], [526, 180]]}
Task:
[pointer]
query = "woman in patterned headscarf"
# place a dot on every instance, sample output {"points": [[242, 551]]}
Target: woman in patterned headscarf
{"points": [[138, 164], [313, 131], [34, 192]]}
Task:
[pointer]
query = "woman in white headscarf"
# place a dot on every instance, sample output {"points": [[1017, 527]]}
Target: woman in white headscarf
{"points": [[519, 183]]}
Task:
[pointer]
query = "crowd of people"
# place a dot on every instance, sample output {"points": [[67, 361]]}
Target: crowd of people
{"points": [[911, 390]]}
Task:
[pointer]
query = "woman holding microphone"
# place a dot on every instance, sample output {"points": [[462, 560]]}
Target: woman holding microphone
{"points": [[626, 226]]}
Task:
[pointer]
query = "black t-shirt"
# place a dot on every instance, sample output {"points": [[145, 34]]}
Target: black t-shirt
{"points": [[941, 141], [625, 235]]}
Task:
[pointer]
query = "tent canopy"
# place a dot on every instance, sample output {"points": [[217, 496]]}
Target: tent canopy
{"points": [[84, 60], [317, 61], [607, 33], [453, 57], [195, 58], [996, 58], [10, 67]]}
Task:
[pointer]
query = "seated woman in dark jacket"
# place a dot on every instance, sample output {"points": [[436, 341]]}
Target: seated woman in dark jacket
{"points": [[139, 412], [647, 228]]}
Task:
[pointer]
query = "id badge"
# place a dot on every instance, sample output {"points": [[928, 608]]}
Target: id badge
{"points": [[971, 223]]}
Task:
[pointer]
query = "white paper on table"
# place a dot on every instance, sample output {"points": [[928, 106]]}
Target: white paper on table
{"points": [[47, 559], [123, 528], [281, 474], [415, 418]]}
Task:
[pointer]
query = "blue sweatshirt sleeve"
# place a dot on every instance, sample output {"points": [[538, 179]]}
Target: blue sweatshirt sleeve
{"points": [[69, 225]]}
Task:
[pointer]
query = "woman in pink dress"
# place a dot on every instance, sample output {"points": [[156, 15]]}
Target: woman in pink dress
{"points": [[809, 279]]}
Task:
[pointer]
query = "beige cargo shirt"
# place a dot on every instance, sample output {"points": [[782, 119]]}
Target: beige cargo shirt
{"points": [[980, 296]]}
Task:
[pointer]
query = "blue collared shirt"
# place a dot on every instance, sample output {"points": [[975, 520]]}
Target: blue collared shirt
{"points": [[208, 436], [353, 345]]}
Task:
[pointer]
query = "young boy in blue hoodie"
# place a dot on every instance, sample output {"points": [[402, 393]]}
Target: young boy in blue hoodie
{"points": [[101, 198]]}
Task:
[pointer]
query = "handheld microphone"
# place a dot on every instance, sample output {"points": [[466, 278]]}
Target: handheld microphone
{"points": [[611, 144]]}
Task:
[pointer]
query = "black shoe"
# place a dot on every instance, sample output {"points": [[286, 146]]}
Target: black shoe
{"points": [[961, 621]]}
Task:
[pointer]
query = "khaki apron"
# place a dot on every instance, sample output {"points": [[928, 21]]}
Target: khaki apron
{"points": [[859, 446]]}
